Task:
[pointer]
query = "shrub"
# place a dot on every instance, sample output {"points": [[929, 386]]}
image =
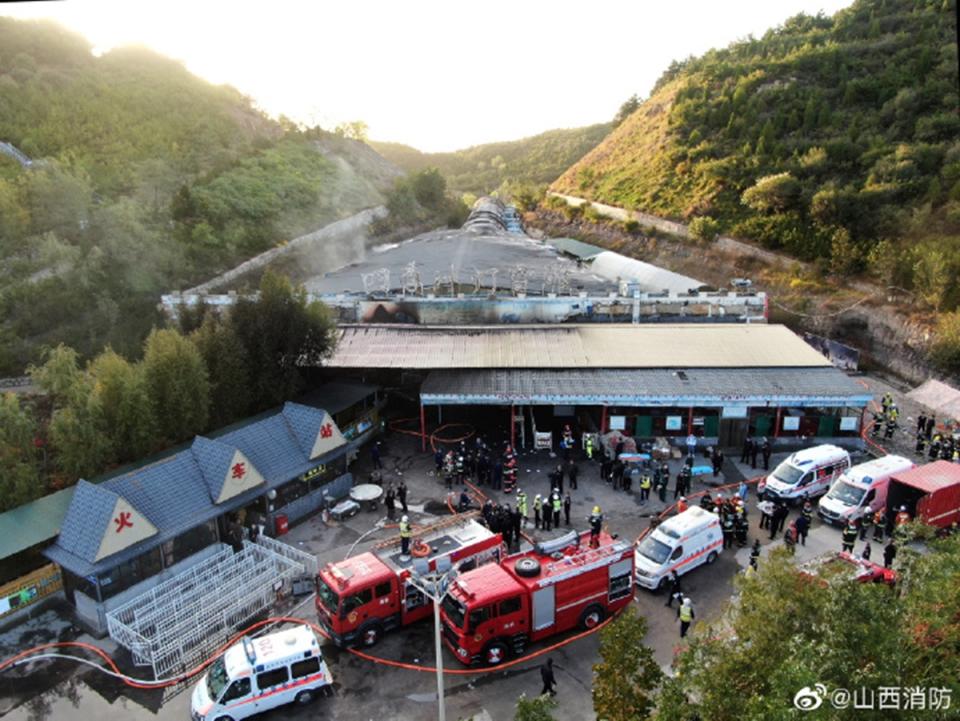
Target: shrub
{"points": [[704, 229], [945, 349]]}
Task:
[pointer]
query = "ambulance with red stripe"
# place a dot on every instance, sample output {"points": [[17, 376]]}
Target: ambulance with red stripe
{"points": [[680, 544], [258, 674]]}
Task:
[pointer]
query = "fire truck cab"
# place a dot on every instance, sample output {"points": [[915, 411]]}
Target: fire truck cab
{"points": [[364, 596], [493, 612]]}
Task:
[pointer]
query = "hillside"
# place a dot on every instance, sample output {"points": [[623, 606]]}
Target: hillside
{"points": [[481, 169], [832, 138], [148, 178]]}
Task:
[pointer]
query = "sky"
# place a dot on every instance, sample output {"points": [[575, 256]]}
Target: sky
{"points": [[435, 74]]}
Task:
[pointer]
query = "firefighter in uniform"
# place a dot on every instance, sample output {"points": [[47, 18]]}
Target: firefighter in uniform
{"points": [[682, 504], [849, 536], [596, 523], [879, 521], [522, 506], [567, 503], [405, 534], [727, 527], [755, 553], [901, 518]]}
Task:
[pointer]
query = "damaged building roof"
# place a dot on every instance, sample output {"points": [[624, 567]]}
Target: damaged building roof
{"points": [[573, 346]]}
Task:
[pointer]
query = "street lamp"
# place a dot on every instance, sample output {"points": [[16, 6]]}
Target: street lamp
{"points": [[433, 583]]}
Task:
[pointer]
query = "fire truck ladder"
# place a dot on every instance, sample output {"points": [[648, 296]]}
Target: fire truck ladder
{"points": [[585, 558], [453, 522]]}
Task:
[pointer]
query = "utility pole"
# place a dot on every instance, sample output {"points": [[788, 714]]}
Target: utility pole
{"points": [[433, 583]]}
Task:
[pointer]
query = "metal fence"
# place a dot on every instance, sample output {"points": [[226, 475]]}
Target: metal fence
{"points": [[175, 625]]}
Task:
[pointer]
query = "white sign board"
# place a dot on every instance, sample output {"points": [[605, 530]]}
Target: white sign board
{"points": [[849, 423], [618, 423], [674, 423], [791, 423], [734, 411]]}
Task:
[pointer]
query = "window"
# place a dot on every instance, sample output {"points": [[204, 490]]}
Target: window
{"points": [[619, 586], [382, 590], [479, 616], [307, 667], [275, 677], [871, 494], [186, 544], [511, 605], [130, 573], [238, 689], [357, 600], [676, 553]]}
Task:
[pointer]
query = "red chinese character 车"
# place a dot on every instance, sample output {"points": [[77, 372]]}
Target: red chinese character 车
{"points": [[239, 470]]}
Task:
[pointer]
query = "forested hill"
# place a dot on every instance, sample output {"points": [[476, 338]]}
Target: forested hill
{"points": [[149, 179], [830, 137], [481, 169]]}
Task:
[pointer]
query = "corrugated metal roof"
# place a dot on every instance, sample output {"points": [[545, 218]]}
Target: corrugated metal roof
{"points": [[692, 386], [576, 248], [33, 523], [931, 476], [573, 346]]}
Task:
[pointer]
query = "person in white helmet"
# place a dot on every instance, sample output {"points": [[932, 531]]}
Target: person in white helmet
{"points": [[686, 615]]}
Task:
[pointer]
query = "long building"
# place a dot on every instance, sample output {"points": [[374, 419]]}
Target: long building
{"points": [[719, 382]]}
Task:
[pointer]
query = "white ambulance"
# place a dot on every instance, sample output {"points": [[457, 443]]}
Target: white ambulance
{"points": [[259, 674], [862, 487], [680, 544], [809, 472]]}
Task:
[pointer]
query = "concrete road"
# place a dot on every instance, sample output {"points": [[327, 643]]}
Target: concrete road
{"points": [[366, 690]]}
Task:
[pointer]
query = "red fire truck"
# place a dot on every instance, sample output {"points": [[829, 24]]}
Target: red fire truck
{"points": [[360, 598], [493, 611]]}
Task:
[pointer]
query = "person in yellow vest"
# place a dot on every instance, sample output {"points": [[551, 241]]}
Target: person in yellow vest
{"points": [[522, 507], [645, 484], [686, 615], [589, 447], [557, 504], [406, 533], [537, 507]]}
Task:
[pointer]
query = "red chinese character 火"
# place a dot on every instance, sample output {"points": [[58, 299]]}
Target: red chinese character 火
{"points": [[123, 521], [239, 470], [326, 430]]}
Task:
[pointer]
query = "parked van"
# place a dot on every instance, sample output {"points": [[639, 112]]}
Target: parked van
{"points": [[259, 674], [680, 544], [862, 487], [809, 472]]}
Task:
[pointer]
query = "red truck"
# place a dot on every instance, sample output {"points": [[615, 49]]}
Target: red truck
{"points": [[494, 611], [362, 597], [930, 493]]}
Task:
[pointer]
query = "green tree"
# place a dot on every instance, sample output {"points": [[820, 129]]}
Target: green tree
{"points": [[79, 439], [772, 193], [283, 335], [60, 376], [945, 349], [845, 256], [931, 276], [429, 188], [539, 708], [227, 366], [120, 390], [19, 476], [627, 675], [354, 130], [704, 228], [177, 383], [629, 107]]}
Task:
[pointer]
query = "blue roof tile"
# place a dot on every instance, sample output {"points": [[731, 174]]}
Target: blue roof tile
{"points": [[178, 492]]}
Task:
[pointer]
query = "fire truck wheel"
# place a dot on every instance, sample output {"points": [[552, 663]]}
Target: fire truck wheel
{"points": [[591, 617], [495, 654], [304, 697], [527, 567], [370, 635], [711, 557]]}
